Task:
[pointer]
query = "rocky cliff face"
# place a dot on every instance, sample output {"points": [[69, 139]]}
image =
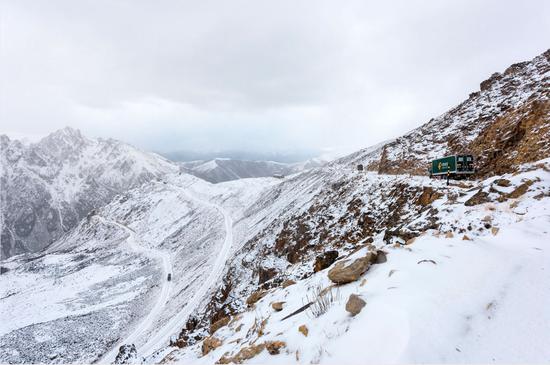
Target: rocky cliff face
{"points": [[47, 187], [504, 124]]}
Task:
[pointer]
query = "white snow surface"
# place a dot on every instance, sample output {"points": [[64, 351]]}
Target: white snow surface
{"points": [[482, 300]]}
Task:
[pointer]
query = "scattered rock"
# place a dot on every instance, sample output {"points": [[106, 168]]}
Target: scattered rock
{"points": [[342, 274], [363, 282], [303, 329], [354, 304], [246, 353], [449, 234], [324, 260], [502, 182], [287, 283], [410, 241], [266, 274], [494, 230], [219, 324], [380, 257], [274, 347], [428, 196], [487, 219], [278, 306], [478, 198], [466, 238], [180, 342], [393, 271], [209, 344], [127, 354], [520, 190], [254, 297]]}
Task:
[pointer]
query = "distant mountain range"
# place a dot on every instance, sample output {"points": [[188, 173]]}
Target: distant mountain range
{"points": [[220, 169]]}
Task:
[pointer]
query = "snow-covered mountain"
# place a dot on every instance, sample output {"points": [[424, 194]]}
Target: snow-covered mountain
{"points": [[313, 267], [505, 123], [49, 186], [224, 169]]}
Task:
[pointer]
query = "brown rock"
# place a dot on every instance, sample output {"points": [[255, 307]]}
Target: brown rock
{"points": [[254, 297], [303, 329], [278, 306], [266, 274], [520, 190], [428, 196], [466, 238], [209, 344], [246, 353], [324, 260], [380, 257], [342, 274], [274, 347], [487, 219], [494, 230], [502, 182], [219, 324], [410, 241], [355, 304], [478, 198], [449, 234], [287, 283]]}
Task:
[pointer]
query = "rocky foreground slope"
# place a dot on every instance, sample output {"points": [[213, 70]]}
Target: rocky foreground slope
{"points": [[307, 222]]}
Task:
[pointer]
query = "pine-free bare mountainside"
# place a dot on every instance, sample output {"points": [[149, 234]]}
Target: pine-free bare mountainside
{"points": [[304, 269]]}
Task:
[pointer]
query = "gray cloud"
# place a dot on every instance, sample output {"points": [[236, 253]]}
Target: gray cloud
{"points": [[252, 74]]}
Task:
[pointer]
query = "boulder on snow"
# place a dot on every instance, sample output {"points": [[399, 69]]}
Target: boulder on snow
{"points": [[342, 274], [380, 257], [355, 304], [219, 324], [266, 274], [428, 196], [502, 182], [209, 344], [324, 260], [520, 190], [303, 330], [478, 198], [287, 283], [449, 234], [127, 354], [494, 230], [254, 297], [245, 353], [278, 306], [274, 347]]}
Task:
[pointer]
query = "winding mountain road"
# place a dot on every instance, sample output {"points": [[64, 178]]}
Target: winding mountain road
{"points": [[147, 322], [161, 337]]}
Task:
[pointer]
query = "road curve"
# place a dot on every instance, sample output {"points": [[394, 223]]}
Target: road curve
{"points": [[147, 322], [161, 337]]}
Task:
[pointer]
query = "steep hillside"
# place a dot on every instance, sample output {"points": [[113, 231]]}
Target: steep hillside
{"points": [[304, 224], [220, 169], [504, 124], [49, 186]]}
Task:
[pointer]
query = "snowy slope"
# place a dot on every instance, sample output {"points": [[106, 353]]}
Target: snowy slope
{"points": [[47, 187], [504, 124], [480, 300]]}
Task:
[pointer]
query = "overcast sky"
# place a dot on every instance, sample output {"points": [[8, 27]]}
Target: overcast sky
{"points": [[254, 75]]}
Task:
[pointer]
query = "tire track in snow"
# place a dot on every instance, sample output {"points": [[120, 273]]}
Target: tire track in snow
{"points": [[161, 337], [154, 313]]}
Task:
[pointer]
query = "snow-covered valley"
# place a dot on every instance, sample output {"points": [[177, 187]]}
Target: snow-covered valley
{"points": [[111, 254]]}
